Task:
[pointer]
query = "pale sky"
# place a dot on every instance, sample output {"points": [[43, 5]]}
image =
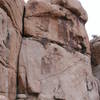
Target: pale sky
{"points": [[93, 25], [92, 7]]}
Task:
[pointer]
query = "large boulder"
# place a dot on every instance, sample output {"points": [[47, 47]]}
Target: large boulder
{"points": [[45, 51], [74, 6], [54, 60], [51, 72], [57, 23]]}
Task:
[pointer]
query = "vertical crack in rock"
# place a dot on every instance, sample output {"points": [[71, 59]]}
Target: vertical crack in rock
{"points": [[23, 22], [17, 77], [44, 52], [11, 12]]}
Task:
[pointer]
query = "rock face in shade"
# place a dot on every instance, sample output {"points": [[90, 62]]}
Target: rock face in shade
{"points": [[10, 40], [95, 52], [44, 51], [95, 49]]}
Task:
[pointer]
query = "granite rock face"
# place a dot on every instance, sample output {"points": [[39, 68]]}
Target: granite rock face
{"points": [[14, 9], [45, 52], [55, 22], [95, 58], [11, 13], [95, 49]]}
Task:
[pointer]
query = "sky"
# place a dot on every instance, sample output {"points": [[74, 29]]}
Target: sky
{"points": [[93, 25]]}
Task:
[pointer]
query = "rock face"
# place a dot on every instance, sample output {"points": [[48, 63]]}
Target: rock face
{"points": [[51, 20], [14, 9], [44, 51], [95, 49], [11, 13], [95, 52]]}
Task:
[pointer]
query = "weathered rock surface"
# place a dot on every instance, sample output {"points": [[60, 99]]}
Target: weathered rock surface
{"points": [[44, 51], [95, 49], [14, 9], [10, 40], [95, 53], [54, 33], [50, 74], [55, 22]]}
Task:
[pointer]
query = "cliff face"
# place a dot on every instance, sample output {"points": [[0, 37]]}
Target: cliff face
{"points": [[44, 51], [11, 12], [95, 59]]}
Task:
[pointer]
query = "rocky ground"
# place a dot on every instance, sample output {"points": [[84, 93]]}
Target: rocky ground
{"points": [[45, 52]]}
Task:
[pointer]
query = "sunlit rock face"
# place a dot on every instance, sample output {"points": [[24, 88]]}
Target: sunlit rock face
{"points": [[45, 52], [11, 12]]}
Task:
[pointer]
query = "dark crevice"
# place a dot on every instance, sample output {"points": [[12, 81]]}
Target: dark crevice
{"points": [[69, 47], [63, 17], [58, 99], [83, 50], [44, 42], [93, 60], [34, 94], [6, 42], [23, 22], [26, 36], [17, 76], [89, 85]]}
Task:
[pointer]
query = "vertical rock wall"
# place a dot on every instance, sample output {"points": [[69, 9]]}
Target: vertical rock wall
{"points": [[95, 58], [11, 12], [44, 51]]}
